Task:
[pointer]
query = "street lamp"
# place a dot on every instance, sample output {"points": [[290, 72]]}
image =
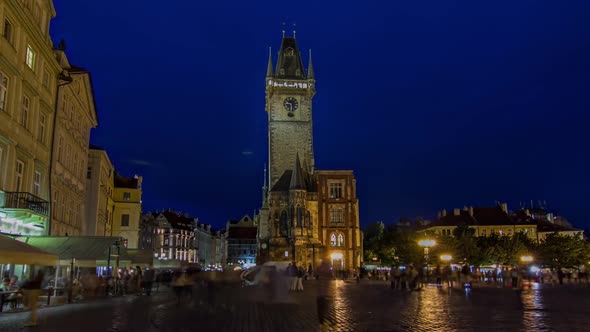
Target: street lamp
{"points": [[427, 244], [526, 259], [446, 258]]}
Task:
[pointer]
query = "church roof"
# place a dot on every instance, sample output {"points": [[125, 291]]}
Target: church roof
{"points": [[289, 64], [297, 179]]}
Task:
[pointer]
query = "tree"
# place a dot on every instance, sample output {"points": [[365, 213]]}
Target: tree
{"points": [[562, 251]]}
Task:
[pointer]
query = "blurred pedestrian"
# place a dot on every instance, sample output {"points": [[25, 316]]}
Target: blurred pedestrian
{"points": [[32, 289], [300, 274]]}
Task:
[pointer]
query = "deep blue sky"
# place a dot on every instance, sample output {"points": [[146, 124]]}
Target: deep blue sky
{"points": [[434, 104]]}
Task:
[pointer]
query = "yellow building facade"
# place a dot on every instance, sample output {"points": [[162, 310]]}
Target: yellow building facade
{"points": [[75, 117], [127, 209], [29, 75], [100, 188]]}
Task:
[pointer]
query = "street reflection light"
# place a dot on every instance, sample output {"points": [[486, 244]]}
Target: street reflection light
{"points": [[526, 259], [427, 244], [446, 258]]}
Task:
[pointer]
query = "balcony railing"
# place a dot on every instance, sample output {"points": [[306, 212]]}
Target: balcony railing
{"points": [[27, 201]]}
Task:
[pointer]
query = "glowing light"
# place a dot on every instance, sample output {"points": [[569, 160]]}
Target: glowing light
{"points": [[446, 258], [427, 243], [535, 269], [526, 259]]}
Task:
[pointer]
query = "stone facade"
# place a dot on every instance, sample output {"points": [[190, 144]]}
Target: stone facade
{"points": [[308, 216], [29, 76], [75, 117]]}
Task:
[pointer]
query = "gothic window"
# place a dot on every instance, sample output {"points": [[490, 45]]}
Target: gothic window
{"points": [[289, 51], [284, 223], [336, 216], [299, 216], [333, 239], [282, 71], [340, 242]]}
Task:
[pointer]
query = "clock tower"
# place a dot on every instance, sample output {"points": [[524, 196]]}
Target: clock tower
{"points": [[289, 93]]}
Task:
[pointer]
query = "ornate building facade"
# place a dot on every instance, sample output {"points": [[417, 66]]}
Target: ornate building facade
{"points": [[75, 117], [29, 79], [308, 216]]}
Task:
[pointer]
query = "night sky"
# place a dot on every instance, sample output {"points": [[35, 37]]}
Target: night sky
{"points": [[434, 104]]}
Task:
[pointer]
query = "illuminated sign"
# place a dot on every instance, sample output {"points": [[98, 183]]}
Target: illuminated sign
{"points": [[287, 84]]}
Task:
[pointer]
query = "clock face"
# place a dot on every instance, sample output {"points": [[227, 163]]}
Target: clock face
{"points": [[264, 246], [290, 104]]}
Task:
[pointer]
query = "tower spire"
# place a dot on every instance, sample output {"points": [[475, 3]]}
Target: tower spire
{"points": [[269, 67], [310, 73], [264, 189]]}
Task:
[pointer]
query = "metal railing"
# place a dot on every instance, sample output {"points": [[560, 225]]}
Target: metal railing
{"points": [[28, 201]]}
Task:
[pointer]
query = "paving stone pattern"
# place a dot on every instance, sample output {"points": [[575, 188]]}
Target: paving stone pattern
{"points": [[370, 306]]}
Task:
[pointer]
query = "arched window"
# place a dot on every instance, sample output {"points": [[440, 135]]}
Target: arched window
{"points": [[340, 242], [299, 216], [284, 223], [333, 240]]}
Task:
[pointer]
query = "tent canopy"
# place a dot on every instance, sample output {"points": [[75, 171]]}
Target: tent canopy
{"points": [[16, 252], [88, 251]]}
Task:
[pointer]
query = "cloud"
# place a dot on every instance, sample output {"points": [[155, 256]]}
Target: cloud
{"points": [[140, 162], [247, 153]]}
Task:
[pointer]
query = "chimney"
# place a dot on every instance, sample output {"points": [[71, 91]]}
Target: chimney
{"points": [[444, 212], [471, 211], [504, 207], [438, 214], [457, 212]]}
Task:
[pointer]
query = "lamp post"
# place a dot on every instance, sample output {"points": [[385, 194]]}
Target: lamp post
{"points": [[427, 244]]}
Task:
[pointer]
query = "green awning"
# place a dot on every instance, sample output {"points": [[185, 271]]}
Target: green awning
{"points": [[87, 251]]}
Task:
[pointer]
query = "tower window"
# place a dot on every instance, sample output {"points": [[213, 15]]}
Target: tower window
{"points": [[335, 189], [124, 220], [289, 51]]}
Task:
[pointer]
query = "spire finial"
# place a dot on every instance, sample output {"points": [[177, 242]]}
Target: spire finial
{"points": [[269, 66], [310, 73]]}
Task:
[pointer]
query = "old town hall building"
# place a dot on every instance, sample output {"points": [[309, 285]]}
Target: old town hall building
{"points": [[309, 216]]}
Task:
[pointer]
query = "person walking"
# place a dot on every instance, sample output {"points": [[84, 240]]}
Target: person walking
{"points": [[32, 289], [148, 279], [300, 274]]}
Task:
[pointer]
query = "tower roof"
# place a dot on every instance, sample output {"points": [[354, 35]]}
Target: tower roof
{"points": [[269, 67], [310, 73], [289, 64], [297, 177]]}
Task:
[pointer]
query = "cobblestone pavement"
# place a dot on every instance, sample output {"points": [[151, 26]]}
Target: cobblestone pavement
{"points": [[370, 306]]}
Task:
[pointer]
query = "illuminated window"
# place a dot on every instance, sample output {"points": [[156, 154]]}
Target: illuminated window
{"points": [[24, 119], [336, 216], [335, 189], [483, 232], [127, 196], [340, 242], [30, 57], [3, 90], [333, 240], [37, 184], [501, 231]]}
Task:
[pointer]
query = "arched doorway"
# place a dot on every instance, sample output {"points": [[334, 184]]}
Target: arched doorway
{"points": [[337, 261]]}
